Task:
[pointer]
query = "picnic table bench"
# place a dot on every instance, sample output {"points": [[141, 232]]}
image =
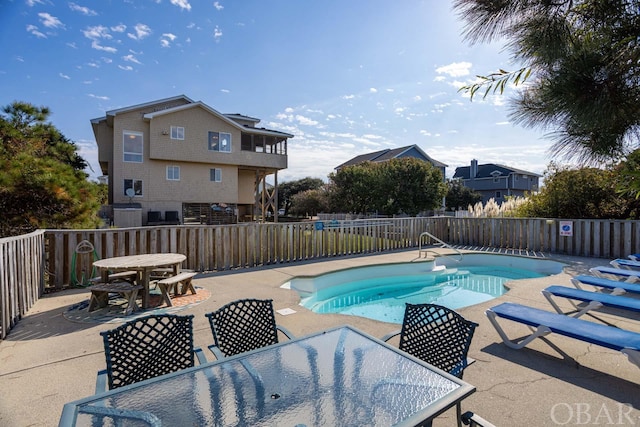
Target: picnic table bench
{"points": [[171, 283], [100, 295]]}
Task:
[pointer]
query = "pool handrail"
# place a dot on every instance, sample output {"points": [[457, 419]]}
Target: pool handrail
{"points": [[443, 244]]}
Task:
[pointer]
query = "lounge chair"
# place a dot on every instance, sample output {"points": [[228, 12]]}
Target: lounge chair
{"points": [[624, 274], [625, 263], [544, 322], [615, 287], [634, 257], [594, 300]]}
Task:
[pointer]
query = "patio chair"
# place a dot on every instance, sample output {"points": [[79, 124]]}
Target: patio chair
{"points": [[147, 347], [474, 420], [244, 325], [437, 335], [614, 287]]}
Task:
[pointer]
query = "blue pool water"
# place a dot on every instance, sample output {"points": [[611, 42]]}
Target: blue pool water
{"points": [[380, 292]]}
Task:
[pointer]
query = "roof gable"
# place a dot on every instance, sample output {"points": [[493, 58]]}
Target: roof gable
{"points": [[395, 153], [490, 170]]}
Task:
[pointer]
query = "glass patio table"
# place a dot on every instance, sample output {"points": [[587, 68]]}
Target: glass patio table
{"points": [[339, 377]]}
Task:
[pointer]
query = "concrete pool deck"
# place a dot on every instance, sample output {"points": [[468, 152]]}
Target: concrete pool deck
{"points": [[47, 360]]}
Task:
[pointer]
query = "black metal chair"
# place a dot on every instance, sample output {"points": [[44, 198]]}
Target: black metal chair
{"points": [[437, 335], [147, 347], [474, 420], [244, 325]]}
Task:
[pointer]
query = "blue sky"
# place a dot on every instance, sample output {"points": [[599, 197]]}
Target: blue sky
{"points": [[345, 77]]}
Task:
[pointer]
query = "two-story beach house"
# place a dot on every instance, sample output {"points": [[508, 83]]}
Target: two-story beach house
{"points": [[176, 159], [497, 181]]}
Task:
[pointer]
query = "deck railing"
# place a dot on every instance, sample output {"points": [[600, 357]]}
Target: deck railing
{"points": [[21, 277], [30, 259]]}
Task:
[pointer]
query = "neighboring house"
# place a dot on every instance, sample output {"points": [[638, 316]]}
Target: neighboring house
{"points": [[395, 153], [179, 157], [497, 181]]}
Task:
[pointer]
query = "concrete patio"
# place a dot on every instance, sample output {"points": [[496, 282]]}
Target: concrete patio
{"points": [[48, 360]]}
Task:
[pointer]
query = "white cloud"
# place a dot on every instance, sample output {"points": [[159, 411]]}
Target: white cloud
{"points": [[131, 58], [120, 28], [502, 123], [217, 5], [97, 32], [34, 30], [425, 132], [417, 98], [166, 39], [217, 33], [102, 98], [142, 31], [456, 69], [50, 21], [125, 67], [83, 10], [305, 120], [225, 91], [182, 4], [348, 96], [373, 90], [98, 46], [64, 76], [32, 3]]}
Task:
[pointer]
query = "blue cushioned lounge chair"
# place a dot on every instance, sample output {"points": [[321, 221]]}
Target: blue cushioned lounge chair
{"points": [[625, 263], [544, 322], [615, 287], [594, 300], [624, 274]]}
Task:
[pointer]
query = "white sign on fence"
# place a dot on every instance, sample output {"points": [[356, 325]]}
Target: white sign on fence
{"points": [[566, 228]]}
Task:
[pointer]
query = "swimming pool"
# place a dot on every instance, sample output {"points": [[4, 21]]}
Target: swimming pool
{"points": [[380, 291]]}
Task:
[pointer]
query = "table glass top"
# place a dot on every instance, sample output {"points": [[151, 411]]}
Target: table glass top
{"points": [[340, 377]]}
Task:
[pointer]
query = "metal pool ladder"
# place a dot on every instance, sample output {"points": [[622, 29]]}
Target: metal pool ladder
{"points": [[441, 244]]}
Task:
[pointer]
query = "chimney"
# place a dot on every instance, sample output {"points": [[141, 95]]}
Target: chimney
{"points": [[473, 170]]}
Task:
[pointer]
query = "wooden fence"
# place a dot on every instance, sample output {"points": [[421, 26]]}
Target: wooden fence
{"points": [[27, 260], [589, 237], [225, 247], [21, 277]]}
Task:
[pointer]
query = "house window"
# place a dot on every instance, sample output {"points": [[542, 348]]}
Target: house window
{"points": [[135, 185], [177, 132], [215, 175], [220, 141], [132, 142], [498, 194], [173, 173]]}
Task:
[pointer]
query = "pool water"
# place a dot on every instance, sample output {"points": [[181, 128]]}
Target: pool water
{"points": [[380, 292]]}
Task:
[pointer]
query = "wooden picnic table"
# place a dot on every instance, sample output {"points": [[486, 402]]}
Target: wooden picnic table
{"points": [[144, 264]]}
